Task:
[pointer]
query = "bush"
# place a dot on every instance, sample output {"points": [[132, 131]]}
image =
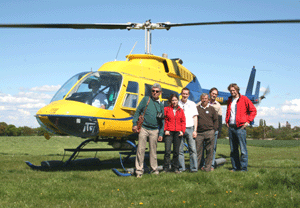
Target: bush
{"points": [[284, 137]]}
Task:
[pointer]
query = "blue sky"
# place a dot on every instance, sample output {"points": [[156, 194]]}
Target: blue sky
{"points": [[34, 63]]}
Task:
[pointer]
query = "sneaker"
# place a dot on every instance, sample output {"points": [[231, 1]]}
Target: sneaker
{"points": [[165, 171], [138, 175], [212, 169], [155, 173], [177, 171]]}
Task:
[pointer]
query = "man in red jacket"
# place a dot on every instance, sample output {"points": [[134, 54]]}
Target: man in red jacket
{"points": [[240, 112]]}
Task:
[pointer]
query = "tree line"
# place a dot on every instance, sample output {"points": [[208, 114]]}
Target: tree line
{"points": [[259, 132], [262, 131], [12, 130]]}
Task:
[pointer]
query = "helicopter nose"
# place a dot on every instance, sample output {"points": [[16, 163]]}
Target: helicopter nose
{"points": [[76, 125], [69, 117]]}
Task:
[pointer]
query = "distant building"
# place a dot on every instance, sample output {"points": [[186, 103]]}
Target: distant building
{"points": [[288, 125]]}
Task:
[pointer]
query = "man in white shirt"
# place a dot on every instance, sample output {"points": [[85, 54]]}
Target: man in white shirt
{"points": [[191, 113], [213, 93]]}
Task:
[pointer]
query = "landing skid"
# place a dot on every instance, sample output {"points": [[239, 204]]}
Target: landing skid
{"points": [[95, 162], [72, 162]]}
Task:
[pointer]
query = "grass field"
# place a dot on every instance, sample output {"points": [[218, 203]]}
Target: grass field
{"points": [[273, 179]]}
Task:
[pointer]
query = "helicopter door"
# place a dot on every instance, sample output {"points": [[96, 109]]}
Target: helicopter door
{"points": [[131, 96]]}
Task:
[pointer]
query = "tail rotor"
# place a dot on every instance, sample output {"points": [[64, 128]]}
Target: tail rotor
{"points": [[267, 91]]}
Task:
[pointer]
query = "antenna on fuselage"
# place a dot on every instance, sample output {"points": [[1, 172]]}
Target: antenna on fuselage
{"points": [[118, 52], [131, 50]]}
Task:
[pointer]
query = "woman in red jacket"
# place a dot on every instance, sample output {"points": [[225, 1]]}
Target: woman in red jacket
{"points": [[174, 129]]}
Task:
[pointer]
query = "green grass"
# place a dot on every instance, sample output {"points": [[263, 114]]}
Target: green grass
{"points": [[267, 143], [273, 179]]}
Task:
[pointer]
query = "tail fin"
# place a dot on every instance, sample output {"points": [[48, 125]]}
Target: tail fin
{"points": [[251, 82]]}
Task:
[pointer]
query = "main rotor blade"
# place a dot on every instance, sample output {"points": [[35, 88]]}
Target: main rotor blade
{"points": [[168, 25], [139, 26], [70, 26]]}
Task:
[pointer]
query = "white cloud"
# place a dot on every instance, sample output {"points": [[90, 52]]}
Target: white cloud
{"points": [[34, 95], [19, 109], [46, 88], [292, 106], [267, 111], [24, 112], [12, 99], [32, 106], [12, 118]]}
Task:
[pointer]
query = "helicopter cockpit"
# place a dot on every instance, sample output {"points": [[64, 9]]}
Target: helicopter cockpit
{"points": [[99, 89]]}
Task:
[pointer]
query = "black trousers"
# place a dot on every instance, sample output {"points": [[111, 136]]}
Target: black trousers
{"points": [[169, 139]]}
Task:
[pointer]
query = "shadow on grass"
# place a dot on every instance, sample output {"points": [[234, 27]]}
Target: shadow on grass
{"points": [[87, 164], [224, 156]]}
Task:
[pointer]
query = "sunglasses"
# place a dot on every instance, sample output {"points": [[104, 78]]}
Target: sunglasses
{"points": [[156, 91]]}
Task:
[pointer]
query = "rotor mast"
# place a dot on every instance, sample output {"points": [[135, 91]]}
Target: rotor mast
{"points": [[148, 37], [148, 26]]}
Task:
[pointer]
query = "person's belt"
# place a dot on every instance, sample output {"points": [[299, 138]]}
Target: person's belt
{"points": [[233, 126]]}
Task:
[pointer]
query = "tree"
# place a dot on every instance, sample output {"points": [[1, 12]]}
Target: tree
{"points": [[12, 130], [257, 132], [261, 122], [41, 131], [26, 131], [3, 127]]}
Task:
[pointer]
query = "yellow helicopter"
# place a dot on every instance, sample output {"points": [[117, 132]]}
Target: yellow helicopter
{"points": [[101, 104]]}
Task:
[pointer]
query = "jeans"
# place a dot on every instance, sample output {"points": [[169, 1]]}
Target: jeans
{"points": [[188, 135], [237, 137], [169, 139], [215, 149]]}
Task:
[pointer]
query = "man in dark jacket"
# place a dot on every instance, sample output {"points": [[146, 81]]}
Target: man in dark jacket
{"points": [[207, 125], [240, 112], [152, 128]]}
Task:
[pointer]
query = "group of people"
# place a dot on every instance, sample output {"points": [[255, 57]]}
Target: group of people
{"points": [[197, 124]]}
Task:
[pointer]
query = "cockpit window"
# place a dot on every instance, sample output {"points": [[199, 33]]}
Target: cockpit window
{"points": [[99, 89], [61, 93]]}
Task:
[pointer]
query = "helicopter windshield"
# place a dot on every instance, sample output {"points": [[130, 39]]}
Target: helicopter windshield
{"points": [[61, 93], [99, 89]]}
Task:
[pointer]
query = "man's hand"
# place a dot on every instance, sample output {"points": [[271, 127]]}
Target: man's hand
{"points": [[160, 138], [134, 129], [167, 133], [245, 125], [180, 133], [194, 134]]}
